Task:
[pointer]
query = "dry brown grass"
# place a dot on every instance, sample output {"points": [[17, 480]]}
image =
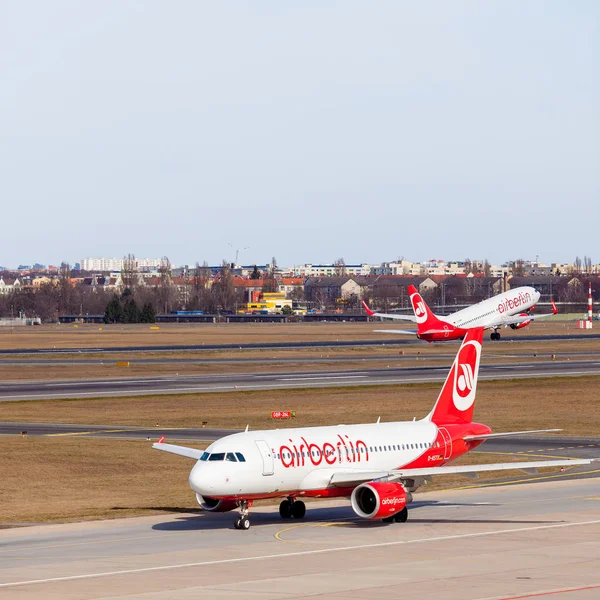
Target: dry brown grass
{"points": [[55, 479], [568, 403], [90, 336]]}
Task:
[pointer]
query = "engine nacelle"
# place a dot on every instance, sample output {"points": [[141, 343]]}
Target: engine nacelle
{"points": [[521, 325], [378, 499], [215, 505]]}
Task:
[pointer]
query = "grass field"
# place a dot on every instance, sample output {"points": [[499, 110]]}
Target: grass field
{"points": [[568, 403]]}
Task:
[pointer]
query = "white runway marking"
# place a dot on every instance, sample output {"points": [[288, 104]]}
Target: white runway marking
{"points": [[321, 377], [292, 554]]}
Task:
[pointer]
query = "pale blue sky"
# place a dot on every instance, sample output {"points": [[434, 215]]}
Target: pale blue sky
{"points": [[306, 130]]}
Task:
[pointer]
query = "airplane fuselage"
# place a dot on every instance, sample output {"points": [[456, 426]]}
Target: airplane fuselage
{"points": [[277, 463], [488, 312]]}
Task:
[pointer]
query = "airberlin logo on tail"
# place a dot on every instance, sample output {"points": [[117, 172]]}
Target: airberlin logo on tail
{"points": [[465, 369], [419, 308]]}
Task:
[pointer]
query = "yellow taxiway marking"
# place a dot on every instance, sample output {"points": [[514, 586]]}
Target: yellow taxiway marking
{"points": [[591, 498], [277, 535], [87, 432], [525, 454]]}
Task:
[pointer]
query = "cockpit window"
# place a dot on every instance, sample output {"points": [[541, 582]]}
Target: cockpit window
{"points": [[240, 457], [217, 456], [231, 456], [205, 456]]}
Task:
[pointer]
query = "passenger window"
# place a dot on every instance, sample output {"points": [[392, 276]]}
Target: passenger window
{"points": [[230, 456], [205, 456], [217, 456]]}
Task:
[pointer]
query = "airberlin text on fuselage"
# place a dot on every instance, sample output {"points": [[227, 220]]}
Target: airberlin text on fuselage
{"points": [[299, 455], [515, 302]]}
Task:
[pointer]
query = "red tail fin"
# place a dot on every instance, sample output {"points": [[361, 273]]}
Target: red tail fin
{"points": [[426, 320], [456, 400]]}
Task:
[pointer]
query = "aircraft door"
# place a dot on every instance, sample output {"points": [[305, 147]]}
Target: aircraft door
{"points": [[447, 441], [267, 457]]}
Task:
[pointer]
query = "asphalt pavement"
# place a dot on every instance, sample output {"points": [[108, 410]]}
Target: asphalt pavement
{"points": [[196, 384], [506, 338]]}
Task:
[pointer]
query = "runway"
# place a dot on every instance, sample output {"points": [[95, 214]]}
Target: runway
{"points": [[275, 360], [497, 542], [196, 384], [280, 345]]}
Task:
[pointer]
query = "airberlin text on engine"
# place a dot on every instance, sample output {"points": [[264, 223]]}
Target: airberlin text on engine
{"points": [[510, 303], [343, 449]]}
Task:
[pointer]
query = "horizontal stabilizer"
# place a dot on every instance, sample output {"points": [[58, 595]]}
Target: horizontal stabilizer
{"points": [[406, 331], [488, 436], [181, 450]]}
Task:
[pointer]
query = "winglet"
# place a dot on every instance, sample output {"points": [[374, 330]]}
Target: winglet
{"points": [[161, 440], [367, 309], [554, 309]]}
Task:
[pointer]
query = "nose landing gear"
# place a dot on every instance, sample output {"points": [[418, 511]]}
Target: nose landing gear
{"points": [[243, 521], [495, 336], [292, 508]]}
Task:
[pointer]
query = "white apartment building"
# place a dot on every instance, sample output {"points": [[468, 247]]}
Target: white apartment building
{"points": [[327, 270], [116, 264]]}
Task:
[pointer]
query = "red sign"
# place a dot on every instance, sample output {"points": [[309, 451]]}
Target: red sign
{"points": [[281, 414]]}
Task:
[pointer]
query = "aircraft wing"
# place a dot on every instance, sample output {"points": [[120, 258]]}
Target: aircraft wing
{"points": [[349, 478], [180, 450]]}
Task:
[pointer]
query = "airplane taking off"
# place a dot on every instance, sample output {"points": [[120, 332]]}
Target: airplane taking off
{"points": [[377, 465], [509, 309]]}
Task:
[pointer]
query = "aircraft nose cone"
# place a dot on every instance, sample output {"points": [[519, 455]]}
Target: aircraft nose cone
{"points": [[199, 481]]}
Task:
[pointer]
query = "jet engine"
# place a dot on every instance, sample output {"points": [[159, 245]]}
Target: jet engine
{"points": [[521, 325], [378, 499], [215, 505]]}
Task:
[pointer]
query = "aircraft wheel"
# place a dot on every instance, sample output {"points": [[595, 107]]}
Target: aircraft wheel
{"points": [[494, 336], [388, 519], [238, 523], [298, 509], [498, 336], [244, 523], [285, 509], [401, 516]]}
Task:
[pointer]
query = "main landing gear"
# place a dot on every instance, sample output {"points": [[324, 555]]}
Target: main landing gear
{"points": [[495, 336], [399, 517], [243, 521], [292, 508]]}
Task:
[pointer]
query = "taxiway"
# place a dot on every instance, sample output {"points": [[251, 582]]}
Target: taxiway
{"points": [[498, 542]]}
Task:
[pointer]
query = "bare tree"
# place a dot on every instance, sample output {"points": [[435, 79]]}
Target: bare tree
{"points": [[165, 290], [270, 277], [518, 268], [224, 289], [339, 267], [486, 268], [129, 273], [577, 265]]}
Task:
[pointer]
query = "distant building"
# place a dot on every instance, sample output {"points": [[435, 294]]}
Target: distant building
{"points": [[117, 264]]}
